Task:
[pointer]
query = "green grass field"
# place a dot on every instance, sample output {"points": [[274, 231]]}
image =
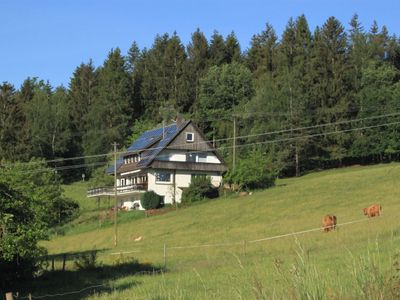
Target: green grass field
{"points": [[212, 250]]}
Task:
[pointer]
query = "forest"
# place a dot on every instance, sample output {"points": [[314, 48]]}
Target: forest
{"points": [[309, 99]]}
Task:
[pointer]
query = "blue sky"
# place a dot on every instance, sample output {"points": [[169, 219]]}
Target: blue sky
{"points": [[50, 38]]}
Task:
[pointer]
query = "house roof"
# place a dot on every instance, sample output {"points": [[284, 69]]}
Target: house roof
{"points": [[170, 134], [151, 142]]}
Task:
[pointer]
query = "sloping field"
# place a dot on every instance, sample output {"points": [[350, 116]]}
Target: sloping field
{"points": [[233, 248]]}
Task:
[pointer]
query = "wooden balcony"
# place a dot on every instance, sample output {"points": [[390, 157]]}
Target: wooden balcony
{"points": [[121, 190]]}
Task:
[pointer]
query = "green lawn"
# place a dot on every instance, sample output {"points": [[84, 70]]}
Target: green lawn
{"points": [[353, 262]]}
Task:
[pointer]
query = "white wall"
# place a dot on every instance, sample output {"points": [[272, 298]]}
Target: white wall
{"points": [[182, 178], [171, 155], [179, 155], [165, 189]]}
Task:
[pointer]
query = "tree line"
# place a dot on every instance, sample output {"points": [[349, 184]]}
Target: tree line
{"points": [[307, 99]]}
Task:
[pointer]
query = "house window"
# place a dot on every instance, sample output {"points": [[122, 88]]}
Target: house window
{"points": [[163, 177], [189, 137], [202, 158], [191, 157]]}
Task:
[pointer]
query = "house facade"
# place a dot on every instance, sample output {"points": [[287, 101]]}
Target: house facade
{"points": [[164, 160]]}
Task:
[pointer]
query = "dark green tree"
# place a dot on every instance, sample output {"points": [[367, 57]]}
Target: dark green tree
{"points": [[232, 49], [217, 50], [262, 53], [10, 123], [48, 118], [164, 77], [81, 94], [330, 89], [198, 55], [110, 113]]}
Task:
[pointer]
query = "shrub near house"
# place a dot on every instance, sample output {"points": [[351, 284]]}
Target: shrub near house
{"points": [[199, 189], [150, 200]]}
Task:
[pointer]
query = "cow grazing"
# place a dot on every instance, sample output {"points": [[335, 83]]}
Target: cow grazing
{"points": [[329, 223], [373, 210]]}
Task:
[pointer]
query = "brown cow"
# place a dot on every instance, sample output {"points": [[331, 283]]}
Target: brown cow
{"points": [[329, 223], [373, 210]]}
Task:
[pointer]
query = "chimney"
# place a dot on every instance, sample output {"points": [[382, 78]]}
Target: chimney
{"points": [[179, 120]]}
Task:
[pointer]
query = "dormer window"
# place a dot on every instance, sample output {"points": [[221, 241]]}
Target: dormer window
{"points": [[132, 158], [189, 137]]}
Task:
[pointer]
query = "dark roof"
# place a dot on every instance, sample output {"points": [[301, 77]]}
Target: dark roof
{"points": [[170, 134], [153, 140], [149, 137]]}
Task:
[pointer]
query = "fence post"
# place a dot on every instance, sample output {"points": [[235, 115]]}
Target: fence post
{"points": [[64, 259], [52, 263], [165, 256], [30, 296], [9, 296]]}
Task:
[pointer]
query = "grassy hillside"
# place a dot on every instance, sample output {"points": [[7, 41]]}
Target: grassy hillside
{"points": [[210, 253]]}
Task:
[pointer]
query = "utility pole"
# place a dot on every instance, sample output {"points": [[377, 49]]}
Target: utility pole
{"points": [[234, 143], [115, 196]]}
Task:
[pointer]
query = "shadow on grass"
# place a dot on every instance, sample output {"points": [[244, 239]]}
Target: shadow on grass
{"points": [[80, 283]]}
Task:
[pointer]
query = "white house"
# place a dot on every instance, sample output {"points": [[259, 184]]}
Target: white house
{"points": [[164, 160]]}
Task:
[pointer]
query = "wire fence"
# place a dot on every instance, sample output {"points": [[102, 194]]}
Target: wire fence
{"points": [[180, 247], [88, 288]]}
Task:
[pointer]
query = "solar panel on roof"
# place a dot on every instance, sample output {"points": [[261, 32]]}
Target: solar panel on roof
{"points": [[170, 134], [147, 138]]}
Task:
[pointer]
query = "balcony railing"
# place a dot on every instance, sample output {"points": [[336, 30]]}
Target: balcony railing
{"points": [[121, 190]]}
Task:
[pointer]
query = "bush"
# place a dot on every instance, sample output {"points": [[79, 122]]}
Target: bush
{"points": [[253, 172], [199, 189], [150, 200]]}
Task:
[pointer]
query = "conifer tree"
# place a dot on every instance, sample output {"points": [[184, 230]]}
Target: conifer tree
{"points": [[198, 55], [262, 53], [331, 85], [232, 49], [10, 126], [81, 94], [217, 50], [110, 113]]}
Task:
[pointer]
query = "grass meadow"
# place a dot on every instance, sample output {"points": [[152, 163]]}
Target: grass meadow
{"points": [[211, 250]]}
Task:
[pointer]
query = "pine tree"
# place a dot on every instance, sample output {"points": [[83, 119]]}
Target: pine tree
{"points": [[49, 122], [217, 50], [232, 49], [262, 53], [10, 126], [81, 94], [109, 114], [294, 81], [331, 87], [198, 55]]}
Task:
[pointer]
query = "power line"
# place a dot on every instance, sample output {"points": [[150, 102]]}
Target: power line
{"points": [[315, 135], [218, 140], [269, 133], [256, 143]]}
